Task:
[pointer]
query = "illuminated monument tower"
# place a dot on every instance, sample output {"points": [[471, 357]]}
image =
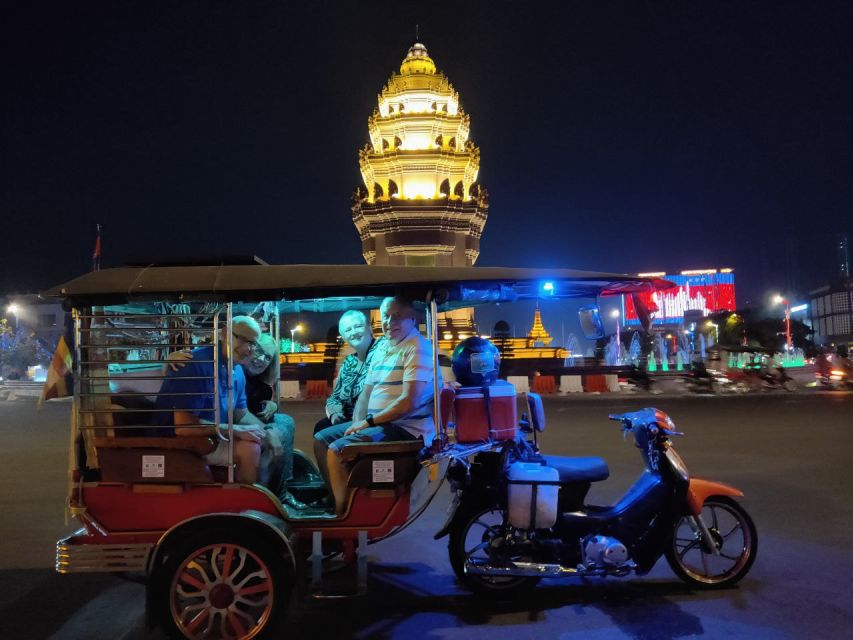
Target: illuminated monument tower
{"points": [[420, 204]]}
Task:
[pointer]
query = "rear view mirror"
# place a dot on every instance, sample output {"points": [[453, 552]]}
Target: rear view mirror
{"points": [[590, 320]]}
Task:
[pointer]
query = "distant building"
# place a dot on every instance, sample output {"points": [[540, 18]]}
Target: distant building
{"points": [[842, 246], [46, 320], [831, 311]]}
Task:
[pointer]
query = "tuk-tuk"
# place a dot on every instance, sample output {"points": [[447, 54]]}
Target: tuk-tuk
{"points": [[222, 559]]}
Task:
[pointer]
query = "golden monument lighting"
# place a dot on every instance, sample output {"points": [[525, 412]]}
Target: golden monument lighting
{"points": [[421, 204]]}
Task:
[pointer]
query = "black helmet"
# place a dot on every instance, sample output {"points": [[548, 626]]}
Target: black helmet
{"points": [[476, 362]]}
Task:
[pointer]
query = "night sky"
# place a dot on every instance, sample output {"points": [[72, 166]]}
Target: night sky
{"points": [[618, 137]]}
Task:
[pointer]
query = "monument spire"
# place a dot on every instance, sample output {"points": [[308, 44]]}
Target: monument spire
{"points": [[421, 203]]}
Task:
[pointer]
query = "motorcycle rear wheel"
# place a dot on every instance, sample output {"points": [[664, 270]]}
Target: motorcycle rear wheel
{"points": [[734, 535], [472, 537]]}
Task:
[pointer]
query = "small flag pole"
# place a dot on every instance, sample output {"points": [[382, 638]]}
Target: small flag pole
{"points": [[96, 254]]}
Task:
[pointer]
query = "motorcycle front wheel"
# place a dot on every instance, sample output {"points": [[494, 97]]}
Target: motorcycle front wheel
{"points": [[734, 536], [476, 536]]}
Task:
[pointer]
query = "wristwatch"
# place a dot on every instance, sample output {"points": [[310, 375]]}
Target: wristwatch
{"points": [[369, 420]]}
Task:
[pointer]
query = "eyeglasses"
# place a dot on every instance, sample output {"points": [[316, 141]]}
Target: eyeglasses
{"points": [[261, 357], [245, 340]]}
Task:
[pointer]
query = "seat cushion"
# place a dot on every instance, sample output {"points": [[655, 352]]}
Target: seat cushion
{"points": [[578, 469], [356, 450]]}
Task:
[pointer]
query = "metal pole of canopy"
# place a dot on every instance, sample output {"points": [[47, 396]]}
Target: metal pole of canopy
{"points": [[432, 327], [229, 341], [276, 328]]}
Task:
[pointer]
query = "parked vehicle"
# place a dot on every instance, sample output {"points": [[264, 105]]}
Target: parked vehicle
{"points": [[222, 559], [521, 516]]}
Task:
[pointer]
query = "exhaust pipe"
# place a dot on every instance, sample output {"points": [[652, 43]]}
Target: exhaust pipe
{"points": [[480, 567]]}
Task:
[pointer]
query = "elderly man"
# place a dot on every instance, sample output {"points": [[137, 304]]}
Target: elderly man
{"points": [[356, 331], [396, 403], [195, 378]]}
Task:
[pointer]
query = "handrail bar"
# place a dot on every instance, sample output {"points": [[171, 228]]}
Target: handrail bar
{"points": [[144, 345], [126, 361]]}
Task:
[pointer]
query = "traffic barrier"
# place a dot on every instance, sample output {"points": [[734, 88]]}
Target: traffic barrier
{"points": [[521, 383], [316, 390], [289, 389], [571, 384], [544, 384], [594, 383], [611, 381]]}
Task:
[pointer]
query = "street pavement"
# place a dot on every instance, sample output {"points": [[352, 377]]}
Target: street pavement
{"points": [[791, 454]]}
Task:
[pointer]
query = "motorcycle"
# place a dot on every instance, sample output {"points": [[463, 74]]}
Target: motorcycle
{"points": [[702, 380], [520, 516], [837, 376], [776, 379]]}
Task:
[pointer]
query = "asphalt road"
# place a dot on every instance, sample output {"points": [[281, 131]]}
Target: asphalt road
{"points": [[790, 453]]}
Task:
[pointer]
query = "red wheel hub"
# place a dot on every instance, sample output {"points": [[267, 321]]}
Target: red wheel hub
{"points": [[221, 596]]}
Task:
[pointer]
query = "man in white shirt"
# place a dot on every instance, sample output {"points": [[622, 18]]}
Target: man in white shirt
{"points": [[396, 403]]}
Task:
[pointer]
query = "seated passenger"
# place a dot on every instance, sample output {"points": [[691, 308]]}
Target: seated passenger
{"points": [[396, 403], [262, 371], [195, 378], [356, 331]]}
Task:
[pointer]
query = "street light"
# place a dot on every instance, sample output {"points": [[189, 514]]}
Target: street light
{"points": [[615, 314], [292, 332], [716, 330], [778, 299], [13, 309]]}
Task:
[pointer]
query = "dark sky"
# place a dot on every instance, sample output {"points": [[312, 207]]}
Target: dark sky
{"points": [[623, 137]]}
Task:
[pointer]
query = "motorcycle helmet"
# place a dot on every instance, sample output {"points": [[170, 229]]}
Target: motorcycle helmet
{"points": [[475, 362]]}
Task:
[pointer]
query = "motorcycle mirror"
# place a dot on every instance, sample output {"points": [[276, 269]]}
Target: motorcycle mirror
{"points": [[590, 321]]}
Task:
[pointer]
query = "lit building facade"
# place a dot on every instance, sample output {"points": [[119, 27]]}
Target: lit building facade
{"points": [[831, 311], [698, 293], [421, 204]]}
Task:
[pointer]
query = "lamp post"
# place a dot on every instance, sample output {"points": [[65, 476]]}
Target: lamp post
{"points": [[716, 330], [779, 299], [615, 314], [292, 333], [13, 310]]}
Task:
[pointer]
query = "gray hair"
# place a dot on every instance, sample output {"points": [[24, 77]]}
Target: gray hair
{"points": [[248, 321], [350, 314], [402, 302]]}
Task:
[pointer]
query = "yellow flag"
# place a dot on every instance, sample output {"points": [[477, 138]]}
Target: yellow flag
{"points": [[59, 382]]}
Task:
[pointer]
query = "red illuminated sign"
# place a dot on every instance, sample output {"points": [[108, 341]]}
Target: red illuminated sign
{"points": [[704, 292]]}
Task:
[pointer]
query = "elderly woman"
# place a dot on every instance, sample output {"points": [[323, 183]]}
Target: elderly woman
{"points": [[262, 370], [356, 331]]}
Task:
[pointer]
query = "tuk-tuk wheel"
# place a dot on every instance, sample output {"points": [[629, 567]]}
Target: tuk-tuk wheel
{"points": [[223, 584]]}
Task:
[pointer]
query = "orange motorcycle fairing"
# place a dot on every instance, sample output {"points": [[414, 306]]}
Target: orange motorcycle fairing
{"points": [[699, 490]]}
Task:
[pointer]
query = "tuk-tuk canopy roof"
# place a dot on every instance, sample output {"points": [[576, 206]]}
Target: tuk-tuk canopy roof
{"points": [[304, 286]]}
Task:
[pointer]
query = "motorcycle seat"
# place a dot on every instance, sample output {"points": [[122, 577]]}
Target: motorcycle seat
{"points": [[590, 469]]}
